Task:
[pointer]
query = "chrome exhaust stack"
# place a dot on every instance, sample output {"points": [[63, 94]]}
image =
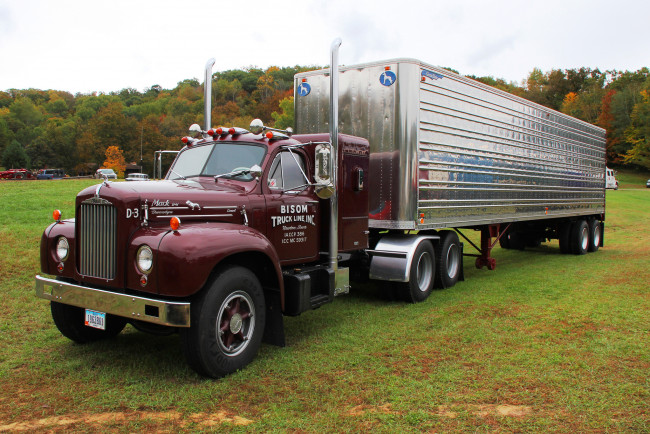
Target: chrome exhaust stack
{"points": [[342, 275], [334, 140], [207, 94]]}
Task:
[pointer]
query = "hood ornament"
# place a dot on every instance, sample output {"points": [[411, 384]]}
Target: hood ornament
{"points": [[193, 206], [105, 182]]}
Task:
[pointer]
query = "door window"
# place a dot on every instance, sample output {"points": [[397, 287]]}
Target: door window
{"points": [[287, 172]]}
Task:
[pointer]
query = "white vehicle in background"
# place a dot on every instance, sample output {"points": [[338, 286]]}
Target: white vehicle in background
{"points": [[610, 179]]}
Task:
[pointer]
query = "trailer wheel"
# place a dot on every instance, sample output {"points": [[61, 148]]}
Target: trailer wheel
{"points": [[579, 237], [227, 324], [564, 236], [422, 274], [448, 259], [70, 322], [594, 235]]}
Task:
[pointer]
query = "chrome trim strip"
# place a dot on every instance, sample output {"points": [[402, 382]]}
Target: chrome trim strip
{"points": [[191, 215], [174, 314]]}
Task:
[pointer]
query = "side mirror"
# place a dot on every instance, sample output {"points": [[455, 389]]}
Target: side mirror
{"points": [[195, 128], [324, 186]]}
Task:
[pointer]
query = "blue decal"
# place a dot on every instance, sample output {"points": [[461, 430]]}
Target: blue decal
{"points": [[304, 89], [387, 78], [432, 75]]}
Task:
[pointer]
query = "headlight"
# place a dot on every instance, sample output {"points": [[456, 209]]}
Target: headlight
{"points": [[144, 259], [62, 249]]}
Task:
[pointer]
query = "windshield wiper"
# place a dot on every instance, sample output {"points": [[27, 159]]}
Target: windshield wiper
{"points": [[234, 173]]}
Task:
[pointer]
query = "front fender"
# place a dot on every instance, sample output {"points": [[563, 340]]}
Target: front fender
{"points": [[186, 257], [49, 261]]}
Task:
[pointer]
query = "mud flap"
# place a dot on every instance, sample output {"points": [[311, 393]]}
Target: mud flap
{"points": [[274, 326]]}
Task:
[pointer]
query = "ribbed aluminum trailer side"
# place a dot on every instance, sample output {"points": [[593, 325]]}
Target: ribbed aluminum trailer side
{"points": [[447, 151]]}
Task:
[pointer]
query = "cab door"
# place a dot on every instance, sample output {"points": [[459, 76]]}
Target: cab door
{"points": [[293, 219]]}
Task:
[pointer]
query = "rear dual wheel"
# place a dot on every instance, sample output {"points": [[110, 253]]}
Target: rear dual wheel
{"points": [[422, 274], [584, 236], [448, 260]]}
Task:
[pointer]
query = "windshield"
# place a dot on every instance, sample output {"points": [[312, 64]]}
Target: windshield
{"points": [[217, 159]]}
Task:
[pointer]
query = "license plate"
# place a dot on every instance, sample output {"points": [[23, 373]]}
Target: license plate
{"points": [[95, 319]]}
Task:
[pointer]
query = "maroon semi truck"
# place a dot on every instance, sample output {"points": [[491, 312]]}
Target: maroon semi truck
{"points": [[251, 225]]}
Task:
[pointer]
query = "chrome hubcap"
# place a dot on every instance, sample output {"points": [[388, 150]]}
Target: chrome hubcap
{"points": [[235, 323], [453, 260], [424, 271]]}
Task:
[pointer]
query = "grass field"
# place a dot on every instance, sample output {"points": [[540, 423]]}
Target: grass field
{"points": [[546, 342]]}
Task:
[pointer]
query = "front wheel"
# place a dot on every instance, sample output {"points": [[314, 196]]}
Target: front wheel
{"points": [[227, 324], [70, 320]]}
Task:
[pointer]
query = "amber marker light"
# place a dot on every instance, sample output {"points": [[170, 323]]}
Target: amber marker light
{"points": [[56, 215], [269, 134], [175, 223]]}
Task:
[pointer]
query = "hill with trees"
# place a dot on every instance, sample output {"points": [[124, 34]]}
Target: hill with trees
{"points": [[52, 128]]}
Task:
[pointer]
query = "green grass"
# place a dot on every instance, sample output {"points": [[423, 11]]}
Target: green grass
{"points": [[632, 179], [546, 342]]}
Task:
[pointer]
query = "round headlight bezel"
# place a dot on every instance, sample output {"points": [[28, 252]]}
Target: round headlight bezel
{"points": [[144, 259], [62, 249]]}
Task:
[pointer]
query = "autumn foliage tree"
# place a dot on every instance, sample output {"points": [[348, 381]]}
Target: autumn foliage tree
{"points": [[58, 129], [115, 160]]}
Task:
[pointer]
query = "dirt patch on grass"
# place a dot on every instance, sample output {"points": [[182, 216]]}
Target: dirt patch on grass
{"points": [[360, 410], [101, 420], [486, 410]]}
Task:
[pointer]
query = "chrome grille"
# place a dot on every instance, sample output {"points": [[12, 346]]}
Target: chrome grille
{"points": [[97, 238]]}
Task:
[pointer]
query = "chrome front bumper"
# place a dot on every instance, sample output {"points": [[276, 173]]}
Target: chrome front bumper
{"points": [[161, 312]]}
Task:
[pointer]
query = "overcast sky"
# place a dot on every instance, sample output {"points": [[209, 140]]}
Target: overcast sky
{"points": [[90, 45]]}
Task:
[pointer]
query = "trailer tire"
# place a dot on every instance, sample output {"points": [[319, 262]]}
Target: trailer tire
{"points": [[516, 241], [422, 274], [227, 320], [70, 322], [579, 237], [448, 260], [594, 235]]}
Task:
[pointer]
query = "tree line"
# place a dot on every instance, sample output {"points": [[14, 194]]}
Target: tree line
{"points": [[51, 128]]}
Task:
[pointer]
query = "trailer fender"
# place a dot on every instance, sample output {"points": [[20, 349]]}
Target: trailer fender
{"points": [[392, 257]]}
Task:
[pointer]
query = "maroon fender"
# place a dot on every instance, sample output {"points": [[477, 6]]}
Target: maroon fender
{"points": [[49, 261], [186, 258]]}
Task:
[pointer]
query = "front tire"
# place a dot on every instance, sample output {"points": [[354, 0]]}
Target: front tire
{"points": [[70, 322], [227, 324], [422, 274]]}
